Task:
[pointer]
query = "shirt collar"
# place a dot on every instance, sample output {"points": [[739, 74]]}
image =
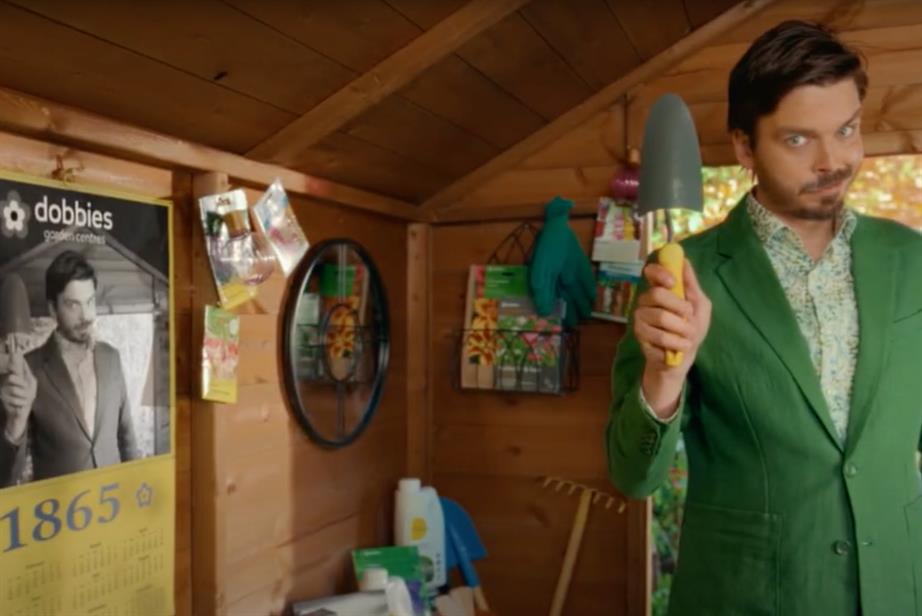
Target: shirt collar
{"points": [[767, 225]]}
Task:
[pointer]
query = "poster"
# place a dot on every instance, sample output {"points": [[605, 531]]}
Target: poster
{"points": [[87, 489]]}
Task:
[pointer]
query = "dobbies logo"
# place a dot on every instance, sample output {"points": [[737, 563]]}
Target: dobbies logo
{"points": [[72, 213], [14, 216]]}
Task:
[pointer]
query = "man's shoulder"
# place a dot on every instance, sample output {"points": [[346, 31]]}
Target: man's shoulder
{"points": [[894, 234], [39, 353], [106, 349], [703, 245]]}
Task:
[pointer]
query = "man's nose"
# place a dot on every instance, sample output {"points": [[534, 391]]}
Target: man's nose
{"points": [[825, 157]]}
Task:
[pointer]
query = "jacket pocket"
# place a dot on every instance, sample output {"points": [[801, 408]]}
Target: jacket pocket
{"points": [[913, 513], [728, 562]]}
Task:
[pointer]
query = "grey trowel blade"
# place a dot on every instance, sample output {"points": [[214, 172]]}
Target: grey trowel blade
{"points": [[670, 169]]}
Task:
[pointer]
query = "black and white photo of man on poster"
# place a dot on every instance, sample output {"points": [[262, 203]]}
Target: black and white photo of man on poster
{"points": [[84, 330]]}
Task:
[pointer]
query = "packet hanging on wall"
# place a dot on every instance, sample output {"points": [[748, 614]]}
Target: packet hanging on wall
{"points": [[238, 260], [278, 223], [617, 232], [220, 355]]}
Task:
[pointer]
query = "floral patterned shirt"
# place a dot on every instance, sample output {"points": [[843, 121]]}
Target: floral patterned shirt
{"points": [[822, 296]]}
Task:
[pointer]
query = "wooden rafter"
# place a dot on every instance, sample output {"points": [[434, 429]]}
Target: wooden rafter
{"points": [[33, 117], [451, 195], [384, 79]]}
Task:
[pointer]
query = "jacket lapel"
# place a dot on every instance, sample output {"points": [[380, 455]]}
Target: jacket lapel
{"points": [[750, 279], [61, 381], [874, 271], [99, 368]]}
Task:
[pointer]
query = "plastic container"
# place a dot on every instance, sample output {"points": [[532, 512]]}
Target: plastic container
{"points": [[418, 521], [373, 578], [398, 598]]}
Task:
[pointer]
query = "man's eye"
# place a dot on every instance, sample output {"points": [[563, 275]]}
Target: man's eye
{"points": [[847, 131], [796, 140]]}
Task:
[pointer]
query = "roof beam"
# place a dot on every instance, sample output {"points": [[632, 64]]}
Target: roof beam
{"points": [[39, 119], [445, 199], [389, 76]]}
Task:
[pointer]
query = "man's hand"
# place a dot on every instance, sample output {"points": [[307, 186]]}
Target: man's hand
{"points": [[17, 393], [664, 321]]}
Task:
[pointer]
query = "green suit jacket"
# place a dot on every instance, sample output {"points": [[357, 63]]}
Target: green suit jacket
{"points": [[780, 518]]}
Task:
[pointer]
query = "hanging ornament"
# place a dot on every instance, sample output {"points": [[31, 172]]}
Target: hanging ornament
{"points": [[624, 184]]}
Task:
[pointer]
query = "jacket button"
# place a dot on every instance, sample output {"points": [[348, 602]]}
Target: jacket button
{"points": [[851, 470], [841, 547]]}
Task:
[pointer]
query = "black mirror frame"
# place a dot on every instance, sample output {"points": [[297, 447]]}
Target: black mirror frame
{"points": [[380, 317]]}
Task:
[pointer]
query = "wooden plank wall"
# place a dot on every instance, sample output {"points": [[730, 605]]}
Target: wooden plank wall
{"points": [[490, 449], [278, 515]]}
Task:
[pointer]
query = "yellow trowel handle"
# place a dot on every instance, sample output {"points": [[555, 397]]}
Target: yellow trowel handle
{"points": [[672, 257]]}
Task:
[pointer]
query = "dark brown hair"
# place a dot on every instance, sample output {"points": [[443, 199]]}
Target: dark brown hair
{"points": [[66, 267], [792, 54]]}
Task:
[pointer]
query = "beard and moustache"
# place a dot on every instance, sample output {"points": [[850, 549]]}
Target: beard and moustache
{"points": [[829, 206], [83, 334]]}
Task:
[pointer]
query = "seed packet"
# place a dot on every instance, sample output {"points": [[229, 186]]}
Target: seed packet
{"points": [[220, 355], [239, 261], [402, 561], [617, 232], [616, 284], [277, 222]]}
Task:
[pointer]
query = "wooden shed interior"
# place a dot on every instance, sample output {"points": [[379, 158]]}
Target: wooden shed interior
{"points": [[426, 130]]}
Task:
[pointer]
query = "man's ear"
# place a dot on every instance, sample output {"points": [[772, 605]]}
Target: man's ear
{"points": [[742, 147]]}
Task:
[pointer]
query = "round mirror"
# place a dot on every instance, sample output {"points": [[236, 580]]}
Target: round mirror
{"points": [[335, 341]]}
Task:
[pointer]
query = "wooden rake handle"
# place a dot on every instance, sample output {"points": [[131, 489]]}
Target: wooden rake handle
{"points": [[480, 600], [569, 559]]}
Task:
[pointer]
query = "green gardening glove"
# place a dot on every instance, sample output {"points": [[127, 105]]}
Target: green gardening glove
{"points": [[559, 267], [577, 284]]}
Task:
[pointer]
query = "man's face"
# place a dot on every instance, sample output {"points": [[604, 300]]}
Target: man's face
{"points": [[75, 311], [807, 152]]}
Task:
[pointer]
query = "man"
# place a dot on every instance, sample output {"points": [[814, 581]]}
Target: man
{"points": [[800, 393], [67, 398]]}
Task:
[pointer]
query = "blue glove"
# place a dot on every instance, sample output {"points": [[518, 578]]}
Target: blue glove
{"points": [[559, 267]]}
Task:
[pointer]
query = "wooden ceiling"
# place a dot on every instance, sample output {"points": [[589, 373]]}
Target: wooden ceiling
{"points": [[397, 97], [458, 106], [579, 161]]}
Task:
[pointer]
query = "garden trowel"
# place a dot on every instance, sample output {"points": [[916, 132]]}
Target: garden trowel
{"points": [[670, 177]]}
